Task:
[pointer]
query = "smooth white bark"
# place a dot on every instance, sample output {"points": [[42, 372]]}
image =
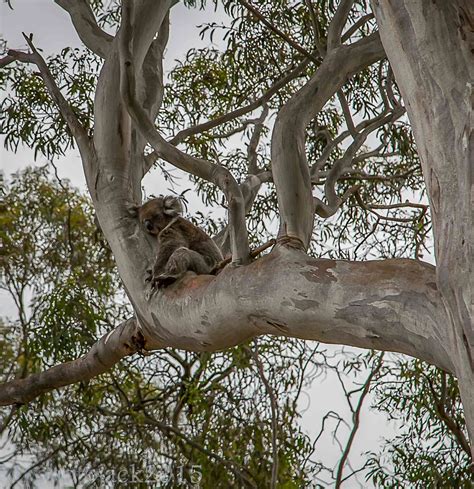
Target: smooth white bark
{"points": [[430, 46]]}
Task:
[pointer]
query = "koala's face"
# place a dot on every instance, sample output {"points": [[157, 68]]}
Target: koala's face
{"points": [[155, 214]]}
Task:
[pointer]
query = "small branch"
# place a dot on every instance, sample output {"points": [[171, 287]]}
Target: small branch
{"points": [[6, 60], [77, 130], [314, 23], [253, 254], [327, 210], [122, 341], [449, 422], [254, 140], [361, 175], [398, 205], [83, 19], [206, 126], [347, 113], [343, 164], [250, 188], [356, 421], [278, 32], [6, 420], [357, 25], [338, 22], [274, 411], [370, 208]]}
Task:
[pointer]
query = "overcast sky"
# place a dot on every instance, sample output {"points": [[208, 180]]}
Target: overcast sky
{"points": [[52, 31]]}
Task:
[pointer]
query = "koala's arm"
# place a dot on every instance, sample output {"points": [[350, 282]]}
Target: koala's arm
{"points": [[169, 240]]}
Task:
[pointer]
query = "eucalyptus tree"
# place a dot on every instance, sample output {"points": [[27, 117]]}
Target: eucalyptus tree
{"points": [[317, 71]]}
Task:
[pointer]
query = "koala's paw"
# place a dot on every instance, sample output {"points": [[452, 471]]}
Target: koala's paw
{"points": [[163, 280]]}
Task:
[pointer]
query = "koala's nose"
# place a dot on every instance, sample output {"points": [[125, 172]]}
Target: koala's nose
{"points": [[148, 225]]}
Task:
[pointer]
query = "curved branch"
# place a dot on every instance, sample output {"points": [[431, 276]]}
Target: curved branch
{"points": [[390, 305], [289, 165], [338, 22], [122, 341], [206, 126], [343, 165], [83, 19], [356, 421]]}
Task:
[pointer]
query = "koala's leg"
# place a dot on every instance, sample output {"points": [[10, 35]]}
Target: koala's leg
{"points": [[181, 261]]}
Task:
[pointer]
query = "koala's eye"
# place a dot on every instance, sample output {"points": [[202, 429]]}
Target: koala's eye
{"points": [[148, 225]]}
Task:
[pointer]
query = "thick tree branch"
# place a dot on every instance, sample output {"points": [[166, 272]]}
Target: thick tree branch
{"points": [[341, 300], [83, 19], [430, 48], [391, 305], [289, 165], [124, 340]]}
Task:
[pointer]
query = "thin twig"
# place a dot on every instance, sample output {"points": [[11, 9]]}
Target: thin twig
{"points": [[274, 411], [356, 421], [78, 131]]}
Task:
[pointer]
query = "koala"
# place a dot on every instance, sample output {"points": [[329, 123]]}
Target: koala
{"points": [[181, 246]]}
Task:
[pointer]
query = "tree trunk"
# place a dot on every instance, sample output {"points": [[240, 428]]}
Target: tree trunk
{"points": [[430, 45]]}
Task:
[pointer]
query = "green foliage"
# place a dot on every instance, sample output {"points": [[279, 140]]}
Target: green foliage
{"points": [[29, 116], [160, 415], [432, 448]]}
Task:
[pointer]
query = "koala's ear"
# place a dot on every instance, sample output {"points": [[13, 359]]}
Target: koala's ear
{"points": [[172, 206], [132, 209]]}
